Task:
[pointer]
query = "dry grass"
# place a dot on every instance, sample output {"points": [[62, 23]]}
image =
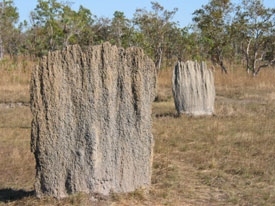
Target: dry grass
{"points": [[14, 79], [239, 85], [164, 85], [225, 159]]}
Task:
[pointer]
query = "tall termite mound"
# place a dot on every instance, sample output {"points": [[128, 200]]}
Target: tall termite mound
{"points": [[91, 128], [193, 88]]}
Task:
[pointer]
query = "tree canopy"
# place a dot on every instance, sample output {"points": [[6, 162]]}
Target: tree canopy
{"points": [[221, 32]]}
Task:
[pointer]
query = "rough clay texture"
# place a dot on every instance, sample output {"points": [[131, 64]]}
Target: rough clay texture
{"points": [[193, 88], [91, 129]]}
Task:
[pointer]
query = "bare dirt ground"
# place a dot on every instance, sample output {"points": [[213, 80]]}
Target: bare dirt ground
{"points": [[224, 159]]}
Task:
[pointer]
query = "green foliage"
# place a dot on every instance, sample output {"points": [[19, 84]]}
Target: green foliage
{"points": [[213, 20], [121, 30], [77, 26], [254, 30], [55, 25], [8, 12], [46, 28], [8, 33], [155, 26], [221, 32]]}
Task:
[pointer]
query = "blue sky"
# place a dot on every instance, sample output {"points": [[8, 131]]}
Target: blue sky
{"points": [[106, 8]]}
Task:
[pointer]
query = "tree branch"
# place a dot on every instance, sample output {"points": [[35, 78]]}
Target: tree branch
{"points": [[264, 65]]}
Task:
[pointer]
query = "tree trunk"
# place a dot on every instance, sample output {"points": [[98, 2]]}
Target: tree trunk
{"points": [[223, 68], [220, 61], [159, 60], [247, 56], [247, 65], [256, 72], [1, 49]]}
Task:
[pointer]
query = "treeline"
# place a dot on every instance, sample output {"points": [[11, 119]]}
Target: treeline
{"points": [[221, 32]]}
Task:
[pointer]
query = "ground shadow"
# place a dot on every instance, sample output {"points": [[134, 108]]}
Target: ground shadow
{"points": [[8, 195], [167, 114]]}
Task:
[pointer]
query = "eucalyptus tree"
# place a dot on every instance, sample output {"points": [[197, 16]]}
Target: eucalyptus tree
{"points": [[77, 26], [55, 25], [102, 30], [183, 44], [121, 30], [46, 19], [154, 27], [214, 22], [254, 27], [8, 31]]}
